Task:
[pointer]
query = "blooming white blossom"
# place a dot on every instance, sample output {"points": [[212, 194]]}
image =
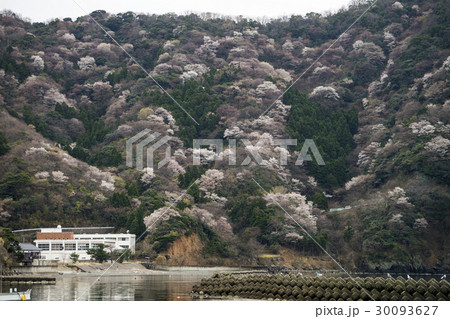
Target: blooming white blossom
{"points": [[175, 167], [292, 237], [203, 215], [438, 145], [216, 198], [399, 195], [107, 185], [204, 154], [166, 115], [283, 74], [146, 179], [68, 37], [99, 197], [209, 46], [397, 5], [321, 70], [162, 214], [168, 45], [104, 47], [128, 47], [251, 33], [298, 207], [59, 177], [287, 46], [312, 181], [396, 219], [237, 35], [389, 39], [355, 181], [86, 63], [327, 92], [231, 132], [446, 64], [34, 150], [189, 75], [198, 68], [211, 179], [265, 88], [372, 52], [162, 68], [53, 96], [358, 44], [366, 156], [420, 224], [38, 63], [42, 175], [422, 128]]}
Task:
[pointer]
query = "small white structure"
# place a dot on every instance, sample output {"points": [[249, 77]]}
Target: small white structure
{"points": [[56, 245]]}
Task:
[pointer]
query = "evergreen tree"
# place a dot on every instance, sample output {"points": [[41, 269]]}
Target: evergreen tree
{"points": [[99, 253], [4, 147], [120, 200], [332, 132]]}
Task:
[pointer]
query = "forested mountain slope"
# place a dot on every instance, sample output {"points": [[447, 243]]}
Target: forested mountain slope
{"points": [[376, 104]]}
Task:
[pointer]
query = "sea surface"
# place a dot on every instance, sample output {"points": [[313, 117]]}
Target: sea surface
{"points": [[171, 285]]}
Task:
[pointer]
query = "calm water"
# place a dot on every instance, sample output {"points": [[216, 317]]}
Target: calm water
{"points": [[175, 285]]}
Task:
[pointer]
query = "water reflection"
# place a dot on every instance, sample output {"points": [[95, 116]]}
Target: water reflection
{"points": [[175, 285]]}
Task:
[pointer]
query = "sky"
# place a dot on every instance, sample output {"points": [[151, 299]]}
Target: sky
{"points": [[45, 10]]}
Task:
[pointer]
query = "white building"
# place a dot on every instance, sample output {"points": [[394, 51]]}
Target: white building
{"points": [[57, 245]]}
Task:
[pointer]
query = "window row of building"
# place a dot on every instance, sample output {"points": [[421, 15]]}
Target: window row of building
{"points": [[72, 246], [49, 236]]}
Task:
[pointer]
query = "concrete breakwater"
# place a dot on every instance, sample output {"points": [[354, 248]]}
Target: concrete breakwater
{"points": [[297, 287]]}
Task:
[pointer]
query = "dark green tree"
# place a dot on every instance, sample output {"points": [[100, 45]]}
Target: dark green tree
{"points": [[4, 147], [192, 174], [66, 111], [331, 131], [14, 185], [11, 244], [108, 156], [133, 190], [135, 223], [320, 200], [120, 200], [74, 257], [348, 233], [99, 253]]}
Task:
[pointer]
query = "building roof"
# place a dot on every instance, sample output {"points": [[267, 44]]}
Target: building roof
{"points": [[28, 247], [58, 235]]}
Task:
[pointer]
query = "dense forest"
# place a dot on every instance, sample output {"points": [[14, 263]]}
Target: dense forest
{"points": [[375, 103]]}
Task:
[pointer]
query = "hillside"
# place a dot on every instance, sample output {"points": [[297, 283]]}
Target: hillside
{"points": [[376, 103]]}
